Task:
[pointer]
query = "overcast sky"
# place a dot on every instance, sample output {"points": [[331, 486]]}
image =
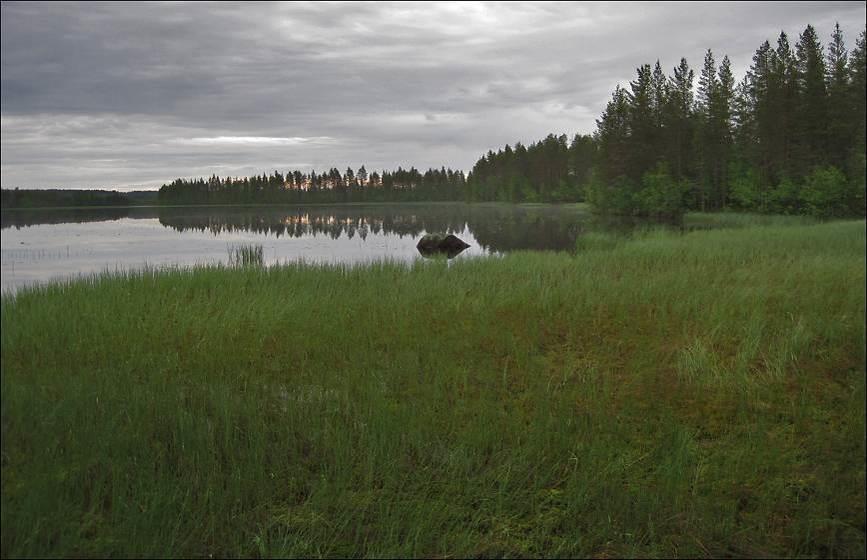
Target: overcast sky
{"points": [[123, 95]]}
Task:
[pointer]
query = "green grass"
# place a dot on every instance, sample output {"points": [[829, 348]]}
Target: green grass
{"points": [[246, 254], [739, 219], [670, 395]]}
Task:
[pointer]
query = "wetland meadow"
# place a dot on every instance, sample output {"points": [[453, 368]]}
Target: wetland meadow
{"points": [[645, 392]]}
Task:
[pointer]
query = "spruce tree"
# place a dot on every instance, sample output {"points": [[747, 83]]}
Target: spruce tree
{"points": [[642, 124], [706, 133], [857, 163], [612, 135], [678, 121], [659, 84], [813, 106], [723, 111], [757, 105], [782, 104], [840, 122]]}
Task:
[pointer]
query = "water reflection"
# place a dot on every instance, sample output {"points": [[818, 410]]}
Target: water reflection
{"points": [[497, 228], [41, 245]]}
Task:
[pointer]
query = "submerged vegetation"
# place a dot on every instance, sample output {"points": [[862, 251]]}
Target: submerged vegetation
{"points": [[698, 394]]}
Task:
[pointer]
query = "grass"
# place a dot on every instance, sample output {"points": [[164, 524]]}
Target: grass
{"points": [[698, 220], [670, 395], [246, 254]]}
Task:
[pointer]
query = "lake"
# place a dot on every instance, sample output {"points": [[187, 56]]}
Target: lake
{"points": [[43, 244]]}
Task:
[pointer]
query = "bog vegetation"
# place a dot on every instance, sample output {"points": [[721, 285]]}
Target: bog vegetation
{"points": [[663, 395]]}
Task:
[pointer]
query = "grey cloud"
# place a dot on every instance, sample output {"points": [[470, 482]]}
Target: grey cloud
{"points": [[99, 94]]}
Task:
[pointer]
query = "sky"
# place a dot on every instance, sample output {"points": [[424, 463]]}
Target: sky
{"points": [[130, 96]]}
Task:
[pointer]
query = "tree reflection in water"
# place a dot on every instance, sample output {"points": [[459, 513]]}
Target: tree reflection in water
{"points": [[496, 227]]}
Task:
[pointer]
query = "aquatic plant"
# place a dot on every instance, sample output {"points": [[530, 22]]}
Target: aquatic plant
{"points": [[249, 254]]}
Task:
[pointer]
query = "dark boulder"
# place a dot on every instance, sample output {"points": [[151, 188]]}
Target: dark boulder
{"points": [[434, 244]]}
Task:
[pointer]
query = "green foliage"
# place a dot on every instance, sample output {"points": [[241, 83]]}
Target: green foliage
{"points": [[825, 193], [661, 196], [669, 396], [785, 198], [746, 190], [751, 147], [615, 198], [551, 170]]}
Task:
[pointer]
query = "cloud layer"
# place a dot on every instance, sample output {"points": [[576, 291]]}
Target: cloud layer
{"points": [[105, 95]]}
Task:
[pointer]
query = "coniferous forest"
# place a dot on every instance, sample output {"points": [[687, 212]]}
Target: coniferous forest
{"points": [[787, 138], [333, 186]]}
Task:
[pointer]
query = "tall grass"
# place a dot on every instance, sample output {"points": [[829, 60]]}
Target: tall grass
{"points": [[741, 219], [246, 254], [672, 395]]}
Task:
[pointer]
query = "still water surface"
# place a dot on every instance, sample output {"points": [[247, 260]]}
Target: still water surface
{"points": [[42, 245]]}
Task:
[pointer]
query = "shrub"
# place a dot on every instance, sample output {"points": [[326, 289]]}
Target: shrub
{"points": [[615, 198], [661, 195], [824, 192], [785, 198], [745, 190]]}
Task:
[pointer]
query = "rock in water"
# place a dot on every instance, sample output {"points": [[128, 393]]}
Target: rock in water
{"points": [[434, 244]]}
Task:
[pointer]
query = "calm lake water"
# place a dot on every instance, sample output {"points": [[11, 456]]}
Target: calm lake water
{"points": [[41, 245]]}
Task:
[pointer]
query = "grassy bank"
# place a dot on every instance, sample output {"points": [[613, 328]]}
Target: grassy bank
{"points": [[695, 395]]}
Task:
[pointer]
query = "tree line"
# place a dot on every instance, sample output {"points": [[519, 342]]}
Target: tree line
{"points": [[33, 198], [402, 185], [788, 138]]}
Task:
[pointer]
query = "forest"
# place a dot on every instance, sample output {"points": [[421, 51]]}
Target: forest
{"points": [[788, 138], [329, 187]]}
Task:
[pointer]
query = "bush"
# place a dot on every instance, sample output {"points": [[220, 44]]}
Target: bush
{"points": [[615, 198], [785, 198], [824, 194], [745, 190], [661, 195]]}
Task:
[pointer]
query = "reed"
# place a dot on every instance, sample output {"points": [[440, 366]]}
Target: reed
{"points": [[249, 254]]}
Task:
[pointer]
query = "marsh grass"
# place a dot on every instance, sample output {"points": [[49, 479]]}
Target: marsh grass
{"points": [[700, 220], [246, 254], [671, 395]]}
